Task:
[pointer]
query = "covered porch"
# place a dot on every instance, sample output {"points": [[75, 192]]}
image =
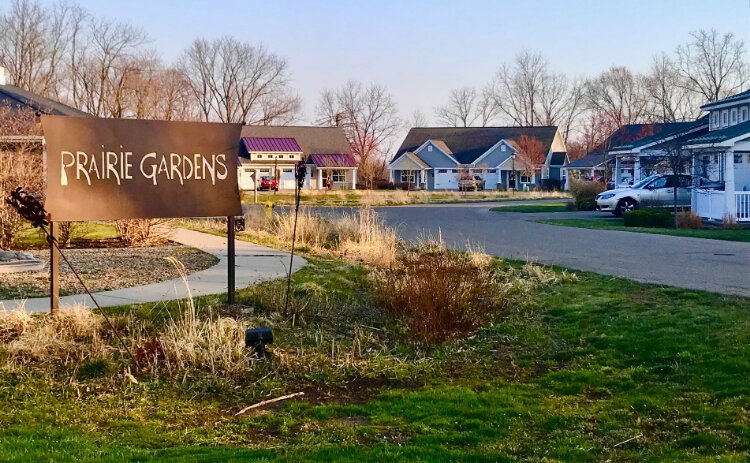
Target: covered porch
{"points": [[411, 171], [331, 172], [722, 186]]}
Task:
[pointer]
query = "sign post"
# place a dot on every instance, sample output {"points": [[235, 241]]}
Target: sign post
{"points": [[54, 271], [230, 260]]}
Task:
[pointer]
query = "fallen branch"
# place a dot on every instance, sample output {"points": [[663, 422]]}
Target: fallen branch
{"points": [[628, 440], [268, 402]]}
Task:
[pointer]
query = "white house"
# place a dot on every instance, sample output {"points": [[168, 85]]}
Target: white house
{"points": [[721, 161], [435, 158], [274, 151]]}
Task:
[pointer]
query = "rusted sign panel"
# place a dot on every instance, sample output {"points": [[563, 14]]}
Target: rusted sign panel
{"points": [[108, 169]]}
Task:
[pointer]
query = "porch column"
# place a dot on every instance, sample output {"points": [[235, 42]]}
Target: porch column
{"points": [[354, 179], [390, 175], [320, 178], [729, 196], [636, 170], [616, 177]]}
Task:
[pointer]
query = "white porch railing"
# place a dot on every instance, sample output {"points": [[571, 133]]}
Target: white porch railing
{"points": [[710, 204], [742, 206]]}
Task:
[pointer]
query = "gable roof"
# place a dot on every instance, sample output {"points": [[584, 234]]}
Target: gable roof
{"points": [[17, 98], [719, 136], [310, 139], [467, 144], [651, 133], [730, 99], [414, 157], [441, 144], [558, 158], [590, 160], [333, 160], [271, 145]]}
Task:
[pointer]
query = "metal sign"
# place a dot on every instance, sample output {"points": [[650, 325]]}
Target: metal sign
{"points": [[110, 169]]}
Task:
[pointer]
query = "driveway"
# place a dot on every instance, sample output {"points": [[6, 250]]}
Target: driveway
{"points": [[712, 265]]}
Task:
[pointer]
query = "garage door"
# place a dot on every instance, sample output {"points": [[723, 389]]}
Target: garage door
{"points": [[246, 179], [490, 181], [287, 179], [446, 179]]}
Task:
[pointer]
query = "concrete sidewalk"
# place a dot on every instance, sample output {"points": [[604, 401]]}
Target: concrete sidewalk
{"points": [[254, 264]]}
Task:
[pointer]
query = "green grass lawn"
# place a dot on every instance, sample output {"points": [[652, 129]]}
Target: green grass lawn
{"points": [[533, 208], [31, 237], [606, 223], [592, 364]]}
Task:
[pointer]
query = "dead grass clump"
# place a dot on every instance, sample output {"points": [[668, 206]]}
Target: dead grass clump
{"points": [[70, 336], [729, 222], [369, 239], [689, 219]]}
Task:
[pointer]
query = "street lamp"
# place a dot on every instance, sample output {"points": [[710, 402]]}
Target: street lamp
{"points": [[513, 158]]}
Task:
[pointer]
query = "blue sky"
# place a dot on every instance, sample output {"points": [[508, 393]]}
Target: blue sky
{"points": [[422, 49]]}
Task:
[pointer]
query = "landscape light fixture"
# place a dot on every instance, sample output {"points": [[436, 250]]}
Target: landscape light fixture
{"points": [[257, 338]]}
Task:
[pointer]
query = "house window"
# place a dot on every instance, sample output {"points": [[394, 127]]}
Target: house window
{"points": [[429, 148], [715, 118], [743, 114], [491, 171], [442, 171], [525, 179], [408, 176], [502, 147], [734, 116], [725, 117], [738, 159], [339, 176], [454, 171]]}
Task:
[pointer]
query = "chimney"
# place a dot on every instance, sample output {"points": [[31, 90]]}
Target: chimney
{"points": [[2, 76]]}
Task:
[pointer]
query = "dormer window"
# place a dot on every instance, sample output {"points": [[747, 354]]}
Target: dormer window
{"points": [[734, 116], [502, 147], [724, 117], [743, 114], [429, 148], [715, 118]]}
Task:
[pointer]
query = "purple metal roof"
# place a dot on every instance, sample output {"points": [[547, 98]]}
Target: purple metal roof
{"points": [[333, 160], [271, 145]]}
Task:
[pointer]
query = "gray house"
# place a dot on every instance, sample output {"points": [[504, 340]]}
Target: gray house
{"points": [[435, 158]]}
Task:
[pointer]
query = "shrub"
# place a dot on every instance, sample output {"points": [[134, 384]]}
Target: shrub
{"points": [[650, 217], [439, 294], [584, 194], [143, 232], [689, 219]]}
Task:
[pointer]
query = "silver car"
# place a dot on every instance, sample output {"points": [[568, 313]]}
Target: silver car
{"points": [[653, 191]]}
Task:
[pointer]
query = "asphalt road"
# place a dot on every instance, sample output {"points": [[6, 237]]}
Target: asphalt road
{"points": [[712, 265]]}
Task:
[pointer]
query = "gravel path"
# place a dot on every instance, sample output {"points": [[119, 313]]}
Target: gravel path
{"points": [[105, 269]]}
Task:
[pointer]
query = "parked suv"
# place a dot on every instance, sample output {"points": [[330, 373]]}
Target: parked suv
{"points": [[268, 182], [653, 191], [475, 183]]}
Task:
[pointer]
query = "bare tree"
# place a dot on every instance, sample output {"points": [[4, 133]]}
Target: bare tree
{"points": [[369, 118], [713, 65], [670, 99], [526, 93], [418, 119], [34, 42], [618, 95], [466, 108], [235, 81]]}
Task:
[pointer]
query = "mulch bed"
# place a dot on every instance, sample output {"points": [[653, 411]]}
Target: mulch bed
{"points": [[105, 269]]}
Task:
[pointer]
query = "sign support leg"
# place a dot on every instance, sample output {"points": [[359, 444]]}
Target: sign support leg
{"points": [[230, 259], [54, 272]]}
